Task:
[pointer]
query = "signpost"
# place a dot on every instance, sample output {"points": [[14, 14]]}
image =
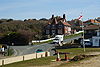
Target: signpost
{"points": [[83, 32]]}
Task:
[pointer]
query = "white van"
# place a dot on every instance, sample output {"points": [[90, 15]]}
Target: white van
{"points": [[58, 39], [87, 42]]}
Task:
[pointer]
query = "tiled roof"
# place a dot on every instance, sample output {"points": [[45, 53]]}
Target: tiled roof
{"points": [[92, 21], [91, 27], [67, 24]]}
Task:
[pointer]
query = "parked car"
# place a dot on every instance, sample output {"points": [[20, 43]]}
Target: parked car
{"points": [[39, 50], [87, 42]]}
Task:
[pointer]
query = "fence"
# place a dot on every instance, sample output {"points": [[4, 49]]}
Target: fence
{"points": [[24, 57], [33, 41], [79, 32]]}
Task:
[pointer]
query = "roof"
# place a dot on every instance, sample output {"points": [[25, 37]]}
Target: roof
{"points": [[92, 21], [67, 24], [91, 27], [57, 20]]}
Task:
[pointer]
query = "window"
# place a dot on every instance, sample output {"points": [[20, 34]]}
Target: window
{"points": [[53, 26], [60, 26], [53, 32], [59, 31], [47, 31], [96, 40]]}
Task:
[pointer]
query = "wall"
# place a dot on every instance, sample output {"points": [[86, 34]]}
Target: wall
{"points": [[24, 57], [33, 41], [95, 41]]}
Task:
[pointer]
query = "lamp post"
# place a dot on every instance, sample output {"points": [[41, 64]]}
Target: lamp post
{"points": [[8, 45]]}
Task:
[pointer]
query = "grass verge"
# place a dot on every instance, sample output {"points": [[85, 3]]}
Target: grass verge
{"points": [[32, 63], [47, 60], [73, 35]]}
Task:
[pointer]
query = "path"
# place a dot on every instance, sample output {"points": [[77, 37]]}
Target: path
{"points": [[92, 62]]}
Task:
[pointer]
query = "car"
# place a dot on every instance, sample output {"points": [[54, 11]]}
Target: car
{"points": [[39, 50]]}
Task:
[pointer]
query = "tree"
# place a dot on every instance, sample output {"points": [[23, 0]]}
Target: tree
{"points": [[13, 37], [9, 20]]}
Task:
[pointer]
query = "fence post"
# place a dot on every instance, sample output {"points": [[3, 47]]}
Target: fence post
{"points": [[46, 54], [66, 57], [58, 57], [36, 55], [41, 55], [23, 58], [2, 62]]}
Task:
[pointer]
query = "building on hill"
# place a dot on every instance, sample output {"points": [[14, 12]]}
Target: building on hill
{"points": [[58, 26], [75, 25], [91, 30]]}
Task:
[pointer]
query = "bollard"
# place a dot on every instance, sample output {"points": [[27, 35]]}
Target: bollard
{"points": [[58, 57]]}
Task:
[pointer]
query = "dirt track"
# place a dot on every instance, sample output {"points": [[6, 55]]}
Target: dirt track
{"points": [[91, 62]]}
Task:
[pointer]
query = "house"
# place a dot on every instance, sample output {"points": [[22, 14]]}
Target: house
{"points": [[92, 33], [58, 26], [75, 25]]}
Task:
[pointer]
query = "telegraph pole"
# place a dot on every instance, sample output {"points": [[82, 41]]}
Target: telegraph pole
{"points": [[83, 36], [83, 32]]}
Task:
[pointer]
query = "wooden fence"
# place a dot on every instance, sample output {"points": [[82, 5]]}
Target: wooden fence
{"points": [[24, 57]]}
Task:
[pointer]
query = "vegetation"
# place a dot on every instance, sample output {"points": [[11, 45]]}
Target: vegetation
{"points": [[33, 62], [10, 52], [24, 31], [78, 51], [73, 35]]}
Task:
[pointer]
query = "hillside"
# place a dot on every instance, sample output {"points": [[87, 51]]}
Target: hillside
{"points": [[30, 29]]}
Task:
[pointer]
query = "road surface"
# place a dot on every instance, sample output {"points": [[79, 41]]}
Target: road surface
{"points": [[23, 50]]}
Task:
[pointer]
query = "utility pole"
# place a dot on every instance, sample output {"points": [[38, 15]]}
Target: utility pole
{"points": [[83, 32], [83, 36]]}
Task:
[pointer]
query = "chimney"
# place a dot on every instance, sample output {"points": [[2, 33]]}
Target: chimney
{"points": [[64, 17], [52, 16], [55, 20]]}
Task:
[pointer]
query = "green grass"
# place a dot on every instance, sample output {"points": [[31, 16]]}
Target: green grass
{"points": [[47, 60], [33, 62], [73, 35], [11, 51], [78, 51]]}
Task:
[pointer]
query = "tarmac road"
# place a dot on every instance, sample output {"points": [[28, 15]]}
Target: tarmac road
{"points": [[23, 50]]}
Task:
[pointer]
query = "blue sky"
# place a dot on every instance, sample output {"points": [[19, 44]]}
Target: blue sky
{"points": [[30, 9]]}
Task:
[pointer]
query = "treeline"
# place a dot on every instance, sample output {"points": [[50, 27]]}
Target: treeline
{"points": [[21, 32]]}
